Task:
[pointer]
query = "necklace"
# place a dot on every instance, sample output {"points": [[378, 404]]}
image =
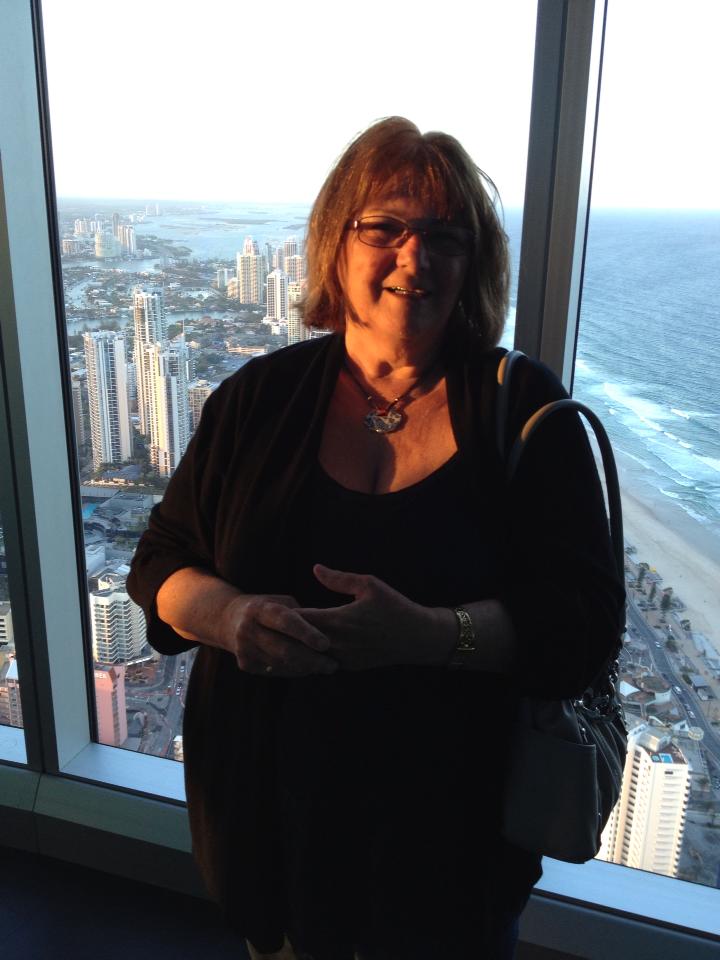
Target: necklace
{"points": [[385, 416]]}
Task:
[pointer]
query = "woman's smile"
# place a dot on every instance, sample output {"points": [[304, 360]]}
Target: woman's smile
{"points": [[402, 290]]}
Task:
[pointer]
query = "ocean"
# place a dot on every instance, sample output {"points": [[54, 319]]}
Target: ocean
{"points": [[648, 358]]}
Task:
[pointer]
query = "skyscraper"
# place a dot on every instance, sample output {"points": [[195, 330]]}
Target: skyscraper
{"points": [[169, 416], [110, 704], [645, 829], [150, 328], [251, 272], [198, 392], [277, 297], [295, 267], [290, 249], [118, 626], [80, 404], [110, 432], [296, 330], [106, 245]]}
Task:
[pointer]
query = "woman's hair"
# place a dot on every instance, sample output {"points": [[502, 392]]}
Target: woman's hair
{"points": [[393, 157]]}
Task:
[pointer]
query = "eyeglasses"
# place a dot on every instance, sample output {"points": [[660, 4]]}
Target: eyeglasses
{"points": [[445, 239]]}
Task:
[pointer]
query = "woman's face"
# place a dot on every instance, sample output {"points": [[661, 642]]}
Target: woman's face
{"points": [[400, 292]]}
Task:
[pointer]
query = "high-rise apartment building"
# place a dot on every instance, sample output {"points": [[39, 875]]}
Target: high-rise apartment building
{"points": [[106, 245], [277, 297], [10, 693], [645, 830], [118, 626], [7, 637], [107, 385], [169, 416], [110, 705], [296, 329], [251, 273], [198, 392], [223, 276], [127, 238], [150, 328], [290, 249], [295, 267]]}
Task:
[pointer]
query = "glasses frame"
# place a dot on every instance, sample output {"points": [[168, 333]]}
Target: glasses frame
{"points": [[427, 230]]}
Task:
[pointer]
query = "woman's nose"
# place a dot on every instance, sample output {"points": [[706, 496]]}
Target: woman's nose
{"points": [[413, 251]]}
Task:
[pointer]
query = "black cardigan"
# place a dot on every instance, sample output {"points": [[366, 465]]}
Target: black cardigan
{"points": [[228, 509]]}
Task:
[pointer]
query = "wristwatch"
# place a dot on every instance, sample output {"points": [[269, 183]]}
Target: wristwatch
{"points": [[466, 640]]}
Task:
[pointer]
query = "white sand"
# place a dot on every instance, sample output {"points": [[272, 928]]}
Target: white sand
{"points": [[684, 552]]}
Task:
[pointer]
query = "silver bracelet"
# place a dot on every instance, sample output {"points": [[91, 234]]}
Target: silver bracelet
{"points": [[466, 640]]}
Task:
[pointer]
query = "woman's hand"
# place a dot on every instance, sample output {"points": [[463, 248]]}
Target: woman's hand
{"points": [[380, 627], [261, 630], [268, 636]]}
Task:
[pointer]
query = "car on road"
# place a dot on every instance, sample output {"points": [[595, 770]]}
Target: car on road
{"points": [[677, 689], [178, 690], [691, 714]]}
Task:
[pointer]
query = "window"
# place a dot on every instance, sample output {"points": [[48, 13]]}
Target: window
{"points": [[44, 511], [647, 362], [192, 266]]}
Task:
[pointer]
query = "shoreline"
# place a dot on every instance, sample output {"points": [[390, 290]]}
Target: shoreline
{"points": [[679, 549]]}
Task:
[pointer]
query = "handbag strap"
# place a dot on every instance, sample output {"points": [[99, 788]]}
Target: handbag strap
{"points": [[511, 459]]}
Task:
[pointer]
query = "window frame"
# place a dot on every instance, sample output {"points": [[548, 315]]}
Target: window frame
{"points": [[72, 796]]}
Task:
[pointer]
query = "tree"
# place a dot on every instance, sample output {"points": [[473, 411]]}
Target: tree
{"points": [[642, 570], [666, 601], [653, 591]]}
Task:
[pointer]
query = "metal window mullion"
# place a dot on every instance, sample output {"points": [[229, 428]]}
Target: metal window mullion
{"points": [[42, 553], [566, 78]]}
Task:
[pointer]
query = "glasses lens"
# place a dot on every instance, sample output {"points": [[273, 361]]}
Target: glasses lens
{"points": [[447, 241], [380, 231]]}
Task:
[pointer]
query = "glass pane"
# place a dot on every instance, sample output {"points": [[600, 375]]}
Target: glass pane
{"points": [[194, 264], [648, 363]]}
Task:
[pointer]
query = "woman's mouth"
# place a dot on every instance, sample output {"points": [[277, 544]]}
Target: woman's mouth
{"points": [[415, 293]]}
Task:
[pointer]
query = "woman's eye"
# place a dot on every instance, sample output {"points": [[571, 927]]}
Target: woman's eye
{"points": [[383, 230]]}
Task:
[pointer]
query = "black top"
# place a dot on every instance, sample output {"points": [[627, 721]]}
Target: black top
{"points": [[237, 504], [384, 776]]}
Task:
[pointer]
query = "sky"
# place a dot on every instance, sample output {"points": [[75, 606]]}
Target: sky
{"points": [[220, 100]]}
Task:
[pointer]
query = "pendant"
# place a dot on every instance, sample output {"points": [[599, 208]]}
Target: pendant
{"points": [[387, 422]]}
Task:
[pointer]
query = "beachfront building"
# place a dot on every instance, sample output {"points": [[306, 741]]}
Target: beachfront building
{"points": [[150, 321], [645, 830]]}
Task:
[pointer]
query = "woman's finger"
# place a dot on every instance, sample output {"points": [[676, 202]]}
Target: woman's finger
{"points": [[283, 657], [341, 581], [288, 622]]}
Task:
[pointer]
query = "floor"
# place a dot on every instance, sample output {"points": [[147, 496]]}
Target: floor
{"points": [[51, 909]]}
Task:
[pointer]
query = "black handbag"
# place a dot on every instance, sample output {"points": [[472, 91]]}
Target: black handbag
{"points": [[567, 757]]}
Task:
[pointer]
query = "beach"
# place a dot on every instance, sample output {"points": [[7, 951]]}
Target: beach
{"points": [[683, 551]]}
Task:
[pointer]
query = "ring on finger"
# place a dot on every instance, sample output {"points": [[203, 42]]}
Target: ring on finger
{"points": [[268, 668]]}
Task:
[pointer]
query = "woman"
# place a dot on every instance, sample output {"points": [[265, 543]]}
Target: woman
{"points": [[368, 596]]}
